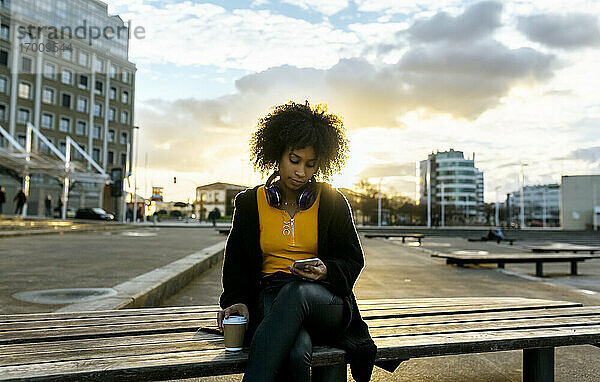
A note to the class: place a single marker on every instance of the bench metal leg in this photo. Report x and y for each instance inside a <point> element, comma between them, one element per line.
<point>539,269</point>
<point>403,239</point>
<point>333,373</point>
<point>538,365</point>
<point>501,265</point>
<point>574,268</point>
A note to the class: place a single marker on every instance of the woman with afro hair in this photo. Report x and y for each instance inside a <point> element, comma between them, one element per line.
<point>289,306</point>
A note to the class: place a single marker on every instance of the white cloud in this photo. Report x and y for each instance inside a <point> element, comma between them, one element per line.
<point>328,8</point>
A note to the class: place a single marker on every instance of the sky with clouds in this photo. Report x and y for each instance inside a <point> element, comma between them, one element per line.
<point>510,82</point>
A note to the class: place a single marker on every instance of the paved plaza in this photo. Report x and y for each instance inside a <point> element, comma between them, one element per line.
<point>89,259</point>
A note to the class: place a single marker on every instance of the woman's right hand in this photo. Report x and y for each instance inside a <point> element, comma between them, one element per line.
<point>235,309</point>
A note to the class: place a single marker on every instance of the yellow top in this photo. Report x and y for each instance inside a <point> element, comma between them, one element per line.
<point>283,239</point>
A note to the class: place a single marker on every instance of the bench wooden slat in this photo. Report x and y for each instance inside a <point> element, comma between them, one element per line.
<point>411,322</point>
<point>159,318</point>
<point>478,317</point>
<point>119,329</point>
<point>59,316</point>
<point>213,362</point>
<point>39,352</point>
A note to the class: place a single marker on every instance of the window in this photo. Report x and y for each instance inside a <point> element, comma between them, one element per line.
<point>82,104</point>
<point>80,128</point>
<point>125,97</point>
<point>124,117</point>
<point>111,157</point>
<point>66,100</point>
<point>67,54</point>
<point>63,147</point>
<point>123,159</point>
<point>125,76</point>
<point>113,71</point>
<point>83,58</point>
<point>23,115</point>
<point>26,65</point>
<point>97,132</point>
<point>97,110</point>
<point>76,154</point>
<point>113,93</point>
<point>24,90</point>
<point>44,148</point>
<point>67,76</point>
<point>3,58</point>
<point>3,84</point>
<point>99,65</point>
<point>64,125</point>
<point>4,32</point>
<point>2,113</point>
<point>123,138</point>
<point>111,135</point>
<point>96,155</point>
<point>111,114</point>
<point>83,82</point>
<point>49,71</point>
<point>48,96</point>
<point>21,139</point>
<point>99,87</point>
<point>47,121</point>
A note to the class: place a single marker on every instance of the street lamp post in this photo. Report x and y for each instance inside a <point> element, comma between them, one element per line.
<point>443,205</point>
<point>134,169</point>
<point>379,205</point>
<point>523,165</point>
<point>428,179</point>
<point>497,206</point>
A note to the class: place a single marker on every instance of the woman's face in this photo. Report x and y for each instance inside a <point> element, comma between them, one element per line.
<point>296,167</point>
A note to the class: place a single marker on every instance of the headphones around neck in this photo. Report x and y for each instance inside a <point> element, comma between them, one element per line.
<point>306,197</point>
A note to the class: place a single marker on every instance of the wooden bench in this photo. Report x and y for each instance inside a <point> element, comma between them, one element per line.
<point>499,240</point>
<point>568,248</point>
<point>417,236</point>
<point>163,343</point>
<point>503,258</point>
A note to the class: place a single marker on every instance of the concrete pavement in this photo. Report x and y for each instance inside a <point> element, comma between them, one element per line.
<point>90,260</point>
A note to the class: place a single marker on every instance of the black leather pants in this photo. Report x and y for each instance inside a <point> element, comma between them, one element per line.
<point>295,312</point>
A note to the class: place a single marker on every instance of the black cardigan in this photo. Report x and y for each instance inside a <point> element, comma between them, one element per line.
<point>338,247</point>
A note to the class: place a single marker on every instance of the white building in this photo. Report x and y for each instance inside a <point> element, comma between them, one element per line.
<point>580,201</point>
<point>460,183</point>
<point>216,195</point>
<point>541,205</point>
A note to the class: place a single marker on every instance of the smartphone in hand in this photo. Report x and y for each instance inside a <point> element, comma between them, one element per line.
<point>299,264</point>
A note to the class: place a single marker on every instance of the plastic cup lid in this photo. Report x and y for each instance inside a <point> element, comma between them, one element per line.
<point>235,320</point>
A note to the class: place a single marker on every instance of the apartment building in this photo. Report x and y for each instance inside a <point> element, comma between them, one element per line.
<point>56,74</point>
<point>455,183</point>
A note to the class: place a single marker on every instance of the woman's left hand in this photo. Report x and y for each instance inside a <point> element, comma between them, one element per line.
<point>311,272</point>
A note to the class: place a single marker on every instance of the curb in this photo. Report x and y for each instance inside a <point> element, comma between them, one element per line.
<point>149,289</point>
<point>17,233</point>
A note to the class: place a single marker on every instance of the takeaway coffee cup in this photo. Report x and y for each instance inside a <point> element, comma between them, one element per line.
<point>234,329</point>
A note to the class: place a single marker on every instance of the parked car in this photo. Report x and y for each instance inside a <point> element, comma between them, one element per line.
<point>93,213</point>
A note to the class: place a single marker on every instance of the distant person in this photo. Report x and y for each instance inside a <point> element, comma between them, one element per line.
<point>2,198</point>
<point>48,206</point>
<point>21,200</point>
<point>294,217</point>
<point>494,234</point>
<point>214,215</point>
